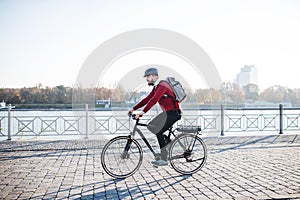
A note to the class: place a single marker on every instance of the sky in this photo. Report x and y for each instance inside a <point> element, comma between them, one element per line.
<point>47,41</point>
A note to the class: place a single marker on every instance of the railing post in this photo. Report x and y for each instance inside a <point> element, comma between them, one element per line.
<point>280,119</point>
<point>9,122</point>
<point>86,121</point>
<point>222,120</point>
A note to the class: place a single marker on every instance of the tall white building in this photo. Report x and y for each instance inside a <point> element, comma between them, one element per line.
<point>247,75</point>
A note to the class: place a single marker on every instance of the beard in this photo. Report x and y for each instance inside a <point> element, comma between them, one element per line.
<point>151,82</point>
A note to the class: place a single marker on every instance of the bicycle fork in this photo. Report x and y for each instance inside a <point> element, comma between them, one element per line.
<point>125,153</point>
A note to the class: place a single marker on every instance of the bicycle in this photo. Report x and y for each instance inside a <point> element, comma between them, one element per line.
<point>122,156</point>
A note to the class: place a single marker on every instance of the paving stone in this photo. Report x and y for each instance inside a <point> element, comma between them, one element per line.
<point>72,170</point>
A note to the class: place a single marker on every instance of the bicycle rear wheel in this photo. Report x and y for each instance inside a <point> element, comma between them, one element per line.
<point>121,157</point>
<point>187,154</point>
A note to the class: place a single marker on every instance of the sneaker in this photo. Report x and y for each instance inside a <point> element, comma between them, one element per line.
<point>160,162</point>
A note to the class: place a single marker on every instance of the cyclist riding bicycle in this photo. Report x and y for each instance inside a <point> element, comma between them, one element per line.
<point>165,97</point>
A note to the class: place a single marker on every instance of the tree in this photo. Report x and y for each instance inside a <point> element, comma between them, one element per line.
<point>189,94</point>
<point>10,95</point>
<point>278,94</point>
<point>251,92</point>
<point>26,96</point>
<point>232,93</point>
<point>208,96</point>
<point>103,93</point>
<point>118,93</point>
<point>297,96</point>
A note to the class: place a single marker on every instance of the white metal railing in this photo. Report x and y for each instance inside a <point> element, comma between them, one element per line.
<point>87,122</point>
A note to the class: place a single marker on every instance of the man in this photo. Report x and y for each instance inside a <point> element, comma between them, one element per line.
<point>164,96</point>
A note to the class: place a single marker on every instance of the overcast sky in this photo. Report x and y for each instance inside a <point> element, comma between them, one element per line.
<point>47,41</point>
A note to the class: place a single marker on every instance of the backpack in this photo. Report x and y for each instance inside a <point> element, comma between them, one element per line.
<point>176,88</point>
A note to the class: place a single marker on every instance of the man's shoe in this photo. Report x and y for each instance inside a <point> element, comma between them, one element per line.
<point>160,162</point>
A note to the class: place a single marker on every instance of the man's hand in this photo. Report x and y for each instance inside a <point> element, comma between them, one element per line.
<point>137,116</point>
<point>130,112</point>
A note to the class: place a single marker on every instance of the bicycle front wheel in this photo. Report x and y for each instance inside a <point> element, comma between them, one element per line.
<point>187,154</point>
<point>121,157</point>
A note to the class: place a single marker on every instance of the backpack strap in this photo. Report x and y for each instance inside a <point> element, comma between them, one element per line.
<point>173,100</point>
<point>171,97</point>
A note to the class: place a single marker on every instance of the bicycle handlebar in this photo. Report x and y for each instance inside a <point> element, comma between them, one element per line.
<point>133,116</point>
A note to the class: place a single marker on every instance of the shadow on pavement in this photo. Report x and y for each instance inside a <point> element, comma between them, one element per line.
<point>132,192</point>
<point>267,141</point>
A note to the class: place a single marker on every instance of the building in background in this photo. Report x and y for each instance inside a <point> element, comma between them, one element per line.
<point>247,75</point>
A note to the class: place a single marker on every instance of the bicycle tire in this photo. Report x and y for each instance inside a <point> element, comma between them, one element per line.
<point>117,164</point>
<point>182,159</point>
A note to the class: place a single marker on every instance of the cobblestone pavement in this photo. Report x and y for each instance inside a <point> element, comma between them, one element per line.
<point>246,168</point>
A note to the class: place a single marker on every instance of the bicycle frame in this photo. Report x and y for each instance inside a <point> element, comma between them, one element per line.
<point>132,134</point>
<point>136,129</point>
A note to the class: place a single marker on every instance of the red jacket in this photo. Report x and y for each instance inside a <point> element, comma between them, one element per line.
<point>156,95</point>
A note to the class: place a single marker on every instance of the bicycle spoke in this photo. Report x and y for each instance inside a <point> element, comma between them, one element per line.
<point>187,154</point>
<point>121,159</point>
<point>177,157</point>
<point>183,144</point>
